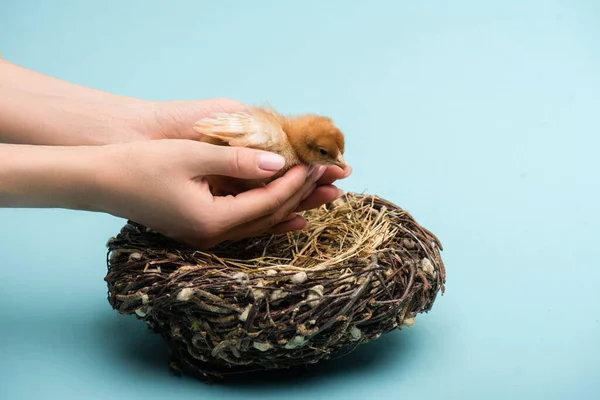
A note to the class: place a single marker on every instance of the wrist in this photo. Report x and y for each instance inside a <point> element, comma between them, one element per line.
<point>41,119</point>
<point>50,177</point>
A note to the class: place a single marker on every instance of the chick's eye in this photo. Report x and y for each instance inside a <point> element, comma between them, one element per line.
<point>323,152</point>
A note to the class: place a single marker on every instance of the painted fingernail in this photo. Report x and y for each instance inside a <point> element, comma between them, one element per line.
<point>348,171</point>
<point>270,161</point>
<point>320,173</point>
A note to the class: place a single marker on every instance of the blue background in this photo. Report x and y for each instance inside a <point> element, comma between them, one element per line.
<point>480,118</point>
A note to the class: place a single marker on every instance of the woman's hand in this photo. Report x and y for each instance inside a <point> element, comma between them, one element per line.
<point>162,184</point>
<point>175,119</point>
<point>159,184</point>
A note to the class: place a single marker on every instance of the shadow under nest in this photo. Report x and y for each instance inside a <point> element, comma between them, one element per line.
<point>364,268</point>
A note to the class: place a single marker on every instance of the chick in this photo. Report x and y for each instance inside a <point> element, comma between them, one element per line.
<point>307,139</point>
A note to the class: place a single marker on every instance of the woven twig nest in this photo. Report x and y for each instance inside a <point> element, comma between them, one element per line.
<point>364,268</point>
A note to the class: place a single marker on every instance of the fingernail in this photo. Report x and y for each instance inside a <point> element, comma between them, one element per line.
<point>348,171</point>
<point>270,161</point>
<point>310,170</point>
<point>340,193</point>
<point>305,224</point>
<point>320,173</point>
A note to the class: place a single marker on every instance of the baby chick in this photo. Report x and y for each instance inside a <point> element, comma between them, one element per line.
<point>306,139</point>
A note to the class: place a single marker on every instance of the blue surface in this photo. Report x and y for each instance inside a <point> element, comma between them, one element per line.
<point>480,118</point>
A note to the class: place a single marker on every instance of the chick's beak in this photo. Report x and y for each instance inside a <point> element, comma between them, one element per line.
<point>339,161</point>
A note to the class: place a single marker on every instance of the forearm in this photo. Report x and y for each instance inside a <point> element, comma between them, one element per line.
<point>49,177</point>
<point>51,119</point>
<point>15,76</point>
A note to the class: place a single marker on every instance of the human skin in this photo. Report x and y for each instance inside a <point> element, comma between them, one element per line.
<point>69,146</point>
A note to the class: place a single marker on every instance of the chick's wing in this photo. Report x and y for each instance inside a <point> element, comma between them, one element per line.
<point>257,128</point>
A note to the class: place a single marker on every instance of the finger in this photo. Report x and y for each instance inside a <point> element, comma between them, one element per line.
<point>263,224</point>
<point>295,224</point>
<point>333,173</point>
<point>236,162</point>
<point>266,224</point>
<point>289,217</point>
<point>283,220</point>
<point>321,195</point>
<point>256,203</point>
<point>273,224</point>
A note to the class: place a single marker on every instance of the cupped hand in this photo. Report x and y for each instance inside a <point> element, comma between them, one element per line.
<point>175,119</point>
<point>161,184</point>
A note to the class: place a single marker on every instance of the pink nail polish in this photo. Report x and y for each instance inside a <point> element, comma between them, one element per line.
<point>270,161</point>
<point>348,171</point>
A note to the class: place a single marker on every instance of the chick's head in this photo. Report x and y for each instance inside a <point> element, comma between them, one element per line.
<point>316,140</point>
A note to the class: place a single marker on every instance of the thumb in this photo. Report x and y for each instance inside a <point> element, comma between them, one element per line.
<point>239,162</point>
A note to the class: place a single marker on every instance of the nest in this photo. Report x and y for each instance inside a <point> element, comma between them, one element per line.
<point>365,267</point>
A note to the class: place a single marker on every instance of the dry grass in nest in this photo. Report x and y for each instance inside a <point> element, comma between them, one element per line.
<point>364,268</point>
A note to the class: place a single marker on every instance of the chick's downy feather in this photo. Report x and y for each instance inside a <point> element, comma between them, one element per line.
<point>308,139</point>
